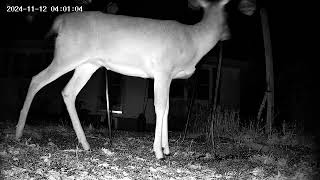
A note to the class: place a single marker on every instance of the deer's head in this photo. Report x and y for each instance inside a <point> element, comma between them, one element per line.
<point>215,14</point>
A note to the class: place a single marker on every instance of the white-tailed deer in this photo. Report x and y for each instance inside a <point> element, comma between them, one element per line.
<point>147,48</point>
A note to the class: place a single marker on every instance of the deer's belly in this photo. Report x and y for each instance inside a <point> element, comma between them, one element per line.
<point>128,65</point>
<point>184,74</point>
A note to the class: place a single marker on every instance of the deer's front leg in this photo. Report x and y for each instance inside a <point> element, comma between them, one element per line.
<point>164,138</point>
<point>161,97</point>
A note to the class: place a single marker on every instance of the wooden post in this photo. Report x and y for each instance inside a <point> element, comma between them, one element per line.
<point>218,77</point>
<point>269,69</point>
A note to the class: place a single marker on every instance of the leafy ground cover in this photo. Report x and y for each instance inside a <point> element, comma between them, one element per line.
<point>52,152</point>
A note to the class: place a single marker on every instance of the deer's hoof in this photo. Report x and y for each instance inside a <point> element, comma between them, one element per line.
<point>18,136</point>
<point>86,146</point>
<point>166,151</point>
<point>159,155</point>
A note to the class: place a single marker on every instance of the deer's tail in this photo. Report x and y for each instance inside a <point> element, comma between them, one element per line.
<point>56,27</point>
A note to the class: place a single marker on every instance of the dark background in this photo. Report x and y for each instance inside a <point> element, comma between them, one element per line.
<point>292,40</point>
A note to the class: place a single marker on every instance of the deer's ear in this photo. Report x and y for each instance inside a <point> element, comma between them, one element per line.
<point>224,2</point>
<point>203,3</point>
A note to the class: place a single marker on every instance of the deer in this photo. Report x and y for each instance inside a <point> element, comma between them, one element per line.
<point>134,46</point>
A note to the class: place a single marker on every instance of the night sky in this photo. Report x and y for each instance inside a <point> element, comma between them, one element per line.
<point>289,28</point>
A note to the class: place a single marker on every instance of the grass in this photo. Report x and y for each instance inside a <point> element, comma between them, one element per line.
<point>238,152</point>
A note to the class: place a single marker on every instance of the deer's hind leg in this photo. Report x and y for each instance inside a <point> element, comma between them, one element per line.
<point>80,77</point>
<point>51,73</point>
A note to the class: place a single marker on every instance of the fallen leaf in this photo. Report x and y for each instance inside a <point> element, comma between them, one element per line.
<point>195,166</point>
<point>53,175</point>
<point>282,162</point>
<point>14,151</point>
<point>114,168</point>
<point>140,159</point>
<point>46,159</point>
<point>51,144</point>
<point>152,169</point>
<point>257,171</point>
<point>107,152</point>
<point>208,156</point>
<point>104,165</point>
<point>3,153</point>
<point>126,178</point>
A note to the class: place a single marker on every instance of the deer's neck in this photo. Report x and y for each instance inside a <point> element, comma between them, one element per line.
<point>206,33</point>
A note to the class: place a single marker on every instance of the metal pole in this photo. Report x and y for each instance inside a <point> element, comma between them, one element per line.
<point>108,108</point>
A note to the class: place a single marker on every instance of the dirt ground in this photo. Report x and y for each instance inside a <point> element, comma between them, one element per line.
<point>53,153</point>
